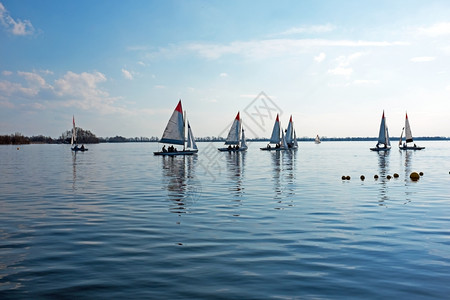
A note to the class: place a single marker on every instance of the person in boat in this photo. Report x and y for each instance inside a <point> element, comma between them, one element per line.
<point>237,147</point>
<point>415,145</point>
<point>164,148</point>
<point>277,146</point>
<point>268,146</point>
<point>76,147</point>
<point>230,148</point>
<point>82,148</point>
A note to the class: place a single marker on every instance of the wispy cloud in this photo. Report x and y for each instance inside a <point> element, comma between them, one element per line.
<point>343,64</point>
<point>16,27</point>
<point>259,49</point>
<point>223,75</point>
<point>321,57</point>
<point>438,29</point>
<point>309,29</point>
<point>423,59</point>
<point>127,74</point>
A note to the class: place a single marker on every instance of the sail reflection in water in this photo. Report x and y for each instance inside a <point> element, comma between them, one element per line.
<point>283,177</point>
<point>235,166</point>
<point>383,165</point>
<point>180,181</point>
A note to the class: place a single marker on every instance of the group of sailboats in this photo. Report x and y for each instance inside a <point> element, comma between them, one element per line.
<point>384,144</point>
<point>281,141</point>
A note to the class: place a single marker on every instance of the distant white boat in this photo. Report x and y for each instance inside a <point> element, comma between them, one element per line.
<point>277,140</point>
<point>408,138</point>
<point>175,134</point>
<point>317,140</point>
<point>383,143</point>
<point>73,139</point>
<point>236,137</point>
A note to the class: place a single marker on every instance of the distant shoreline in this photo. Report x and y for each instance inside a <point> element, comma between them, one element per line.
<point>48,140</point>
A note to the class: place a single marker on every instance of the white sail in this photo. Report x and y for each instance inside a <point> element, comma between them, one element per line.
<point>408,134</point>
<point>317,140</point>
<point>174,132</point>
<point>73,140</point>
<point>290,132</point>
<point>190,139</point>
<point>401,137</point>
<point>275,138</point>
<point>243,141</point>
<point>383,135</point>
<point>295,140</point>
<point>233,134</point>
<point>284,144</point>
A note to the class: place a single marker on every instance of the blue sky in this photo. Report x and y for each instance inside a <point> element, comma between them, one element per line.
<point>120,67</point>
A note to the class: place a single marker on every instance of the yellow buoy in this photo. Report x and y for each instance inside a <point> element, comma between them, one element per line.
<point>388,177</point>
<point>421,173</point>
<point>414,176</point>
<point>375,176</point>
<point>348,177</point>
<point>18,148</point>
<point>362,177</point>
<point>395,175</point>
<point>343,177</point>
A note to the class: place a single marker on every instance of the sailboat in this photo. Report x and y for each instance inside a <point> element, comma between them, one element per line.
<point>383,137</point>
<point>236,137</point>
<point>317,140</point>
<point>73,139</point>
<point>276,138</point>
<point>175,134</point>
<point>408,138</point>
<point>291,139</point>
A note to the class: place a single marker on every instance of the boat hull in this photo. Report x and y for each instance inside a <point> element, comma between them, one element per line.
<point>78,149</point>
<point>411,148</point>
<point>232,150</point>
<point>184,152</point>
<point>380,149</point>
<point>274,149</point>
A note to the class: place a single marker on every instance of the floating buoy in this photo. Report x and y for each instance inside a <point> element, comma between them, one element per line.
<point>362,177</point>
<point>18,148</point>
<point>348,177</point>
<point>414,176</point>
<point>421,173</point>
<point>375,176</point>
<point>395,175</point>
<point>343,177</point>
<point>388,177</point>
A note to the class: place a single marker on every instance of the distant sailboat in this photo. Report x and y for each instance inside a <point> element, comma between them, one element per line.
<point>383,137</point>
<point>175,134</point>
<point>317,140</point>
<point>73,139</point>
<point>276,138</point>
<point>408,138</point>
<point>291,139</point>
<point>236,137</point>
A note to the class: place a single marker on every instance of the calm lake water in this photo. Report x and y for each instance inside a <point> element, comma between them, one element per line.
<point>119,222</point>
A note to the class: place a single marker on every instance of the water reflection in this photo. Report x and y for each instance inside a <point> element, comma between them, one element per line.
<point>180,181</point>
<point>283,176</point>
<point>235,165</point>
<point>408,167</point>
<point>383,165</point>
<point>74,170</point>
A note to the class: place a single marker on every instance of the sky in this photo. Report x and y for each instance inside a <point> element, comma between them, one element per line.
<point>120,67</point>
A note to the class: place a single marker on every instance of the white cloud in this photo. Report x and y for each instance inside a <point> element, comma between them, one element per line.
<point>341,71</point>
<point>160,86</point>
<point>7,73</point>
<point>435,30</point>
<point>423,59</point>
<point>365,82</point>
<point>16,27</point>
<point>309,29</point>
<point>321,57</point>
<point>127,74</point>
<point>260,49</point>
<point>223,75</point>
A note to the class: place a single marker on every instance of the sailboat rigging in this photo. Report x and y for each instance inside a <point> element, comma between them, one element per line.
<point>174,134</point>
<point>236,137</point>
<point>408,138</point>
<point>276,138</point>
<point>73,139</point>
<point>383,143</point>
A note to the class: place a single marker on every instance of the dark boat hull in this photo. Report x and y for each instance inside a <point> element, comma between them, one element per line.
<point>411,148</point>
<point>380,149</point>
<point>184,152</point>
<point>232,150</point>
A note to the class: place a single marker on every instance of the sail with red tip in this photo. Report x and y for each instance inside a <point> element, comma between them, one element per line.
<point>174,132</point>
<point>233,134</point>
<point>275,138</point>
